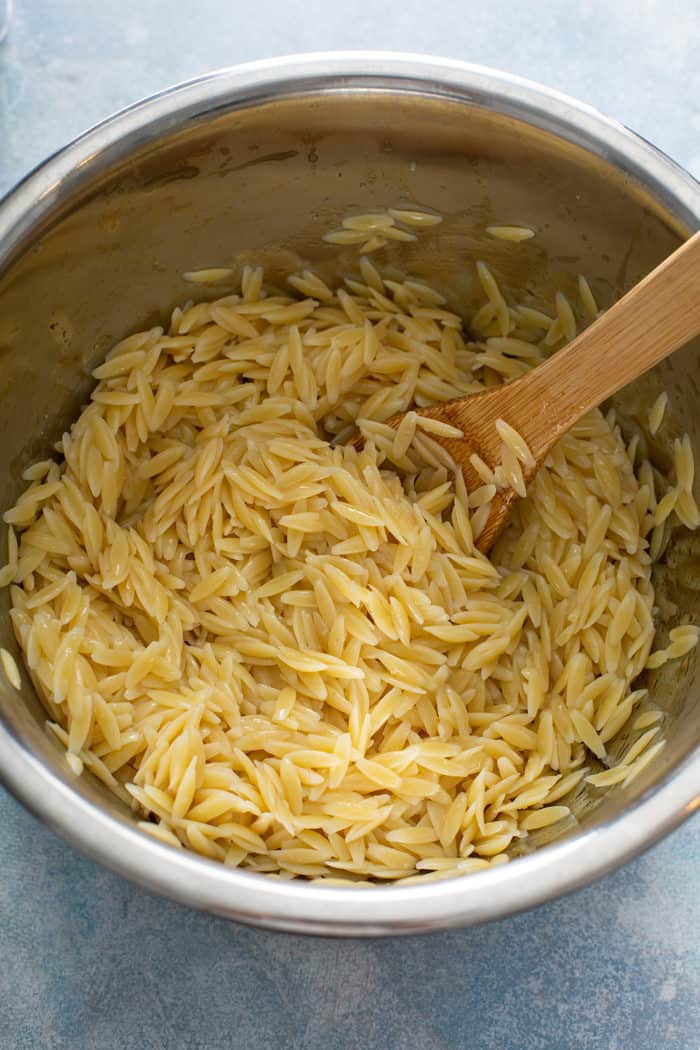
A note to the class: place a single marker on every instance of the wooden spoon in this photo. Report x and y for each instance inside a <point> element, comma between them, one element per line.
<point>652,320</point>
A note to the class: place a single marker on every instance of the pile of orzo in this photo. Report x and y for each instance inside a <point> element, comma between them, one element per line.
<point>288,654</point>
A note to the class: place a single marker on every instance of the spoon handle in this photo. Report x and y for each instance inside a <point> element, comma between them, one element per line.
<point>652,320</point>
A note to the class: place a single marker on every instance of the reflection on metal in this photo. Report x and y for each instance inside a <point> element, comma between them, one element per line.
<point>5,17</point>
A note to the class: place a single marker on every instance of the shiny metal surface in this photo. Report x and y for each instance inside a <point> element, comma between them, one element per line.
<point>5,17</point>
<point>259,161</point>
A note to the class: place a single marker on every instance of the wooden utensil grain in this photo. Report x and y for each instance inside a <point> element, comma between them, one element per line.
<point>656,317</point>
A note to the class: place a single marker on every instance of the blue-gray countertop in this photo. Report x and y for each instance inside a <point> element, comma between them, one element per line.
<point>88,960</point>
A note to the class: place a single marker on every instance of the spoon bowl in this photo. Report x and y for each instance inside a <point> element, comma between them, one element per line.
<point>656,317</point>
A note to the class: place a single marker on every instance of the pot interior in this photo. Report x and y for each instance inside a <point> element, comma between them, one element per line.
<point>265,182</point>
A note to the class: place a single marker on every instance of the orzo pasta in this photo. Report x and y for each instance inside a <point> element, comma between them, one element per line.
<point>287,653</point>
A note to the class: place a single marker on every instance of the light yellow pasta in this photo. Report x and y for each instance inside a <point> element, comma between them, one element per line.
<point>287,653</point>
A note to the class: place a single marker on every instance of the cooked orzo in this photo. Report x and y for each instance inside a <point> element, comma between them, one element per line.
<point>288,654</point>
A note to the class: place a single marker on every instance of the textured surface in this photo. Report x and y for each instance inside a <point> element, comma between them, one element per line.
<point>88,959</point>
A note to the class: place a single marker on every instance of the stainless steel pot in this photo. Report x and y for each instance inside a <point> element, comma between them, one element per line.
<point>260,161</point>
